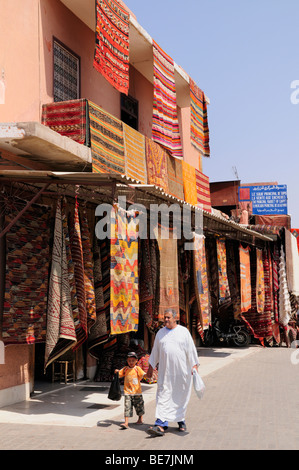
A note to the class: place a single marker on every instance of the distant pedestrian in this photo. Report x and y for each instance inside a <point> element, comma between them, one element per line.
<point>132,389</point>
<point>175,352</point>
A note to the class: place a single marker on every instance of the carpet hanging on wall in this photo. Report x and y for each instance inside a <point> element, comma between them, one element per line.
<point>124,293</point>
<point>201,279</point>
<point>135,161</point>
<point>245,283</point>
<point>199,120</point>
<point>156,161</point>
<point>111,56</point>
<point>107,141</point>
<point>165,126</point>
<point>26,285</point>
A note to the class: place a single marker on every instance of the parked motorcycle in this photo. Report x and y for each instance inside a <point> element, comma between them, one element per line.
<point>235,333</point>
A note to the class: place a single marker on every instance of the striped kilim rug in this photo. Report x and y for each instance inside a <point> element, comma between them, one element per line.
<point>107,142</point>
<point>111,56</point>
<point>203,191</point>
<point>124,292</point>
<point>199,120</point>
<point>165,126</point>
<point>135,160</point>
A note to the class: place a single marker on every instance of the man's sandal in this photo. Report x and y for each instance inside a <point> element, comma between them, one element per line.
<point>182,427</point>
<point>156,431</point>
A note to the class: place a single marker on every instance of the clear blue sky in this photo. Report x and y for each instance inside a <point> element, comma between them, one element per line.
<point>244,54</point>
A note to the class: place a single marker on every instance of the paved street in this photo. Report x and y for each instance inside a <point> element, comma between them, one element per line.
<point>251,402</point>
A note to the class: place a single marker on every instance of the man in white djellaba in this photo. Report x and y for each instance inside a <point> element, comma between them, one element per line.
<point>175,352</point>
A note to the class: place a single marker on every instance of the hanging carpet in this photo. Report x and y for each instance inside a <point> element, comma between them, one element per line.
<point>199,120</point>
<point>135,161</point>
<point>175,177</point>
<point>88,271</point>
<point>61,335</point>
<point>165,126</point>
<point>224,292</point>
<point>156,160</point>
<point>107,142</point>
<point>233,274</point>
<point>111,56</point>
<point>26,285</point>
<point>285,309</point>
<point>169,284</point>
<point>68,118</point>
<point>124,295</point>
<point>201,279</point>
<point>260,281</point>
<point>149,282</point>
<point>189,183</point>
<point>203,191</point>
<point>245,279</point>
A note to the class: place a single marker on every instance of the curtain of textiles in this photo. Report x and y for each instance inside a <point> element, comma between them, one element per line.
<point>201,279</point>
<point>156,160</point>
<point>245,279</point>
<point>61,334</point>
<point>111,56</point>
<point>165,126</point>
<point>26,285</point>
<point>260,281</point>
<point>284,297</point>
<point>169,283</point>
<point>199,119</point>
<point>135,161</point>
<point>124,295</point>
<point>107,141</point>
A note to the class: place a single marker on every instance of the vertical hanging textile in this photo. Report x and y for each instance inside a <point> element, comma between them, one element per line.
<point>201,279</point>
<point>224,292</point>
<point>203,191</point>
<point>77,257</point>
<point>199,120</point>
<point>175,177</point>
<point>26,278</point>
<point>88,271</point>
<point>169,283</point>
<point>260,281</point>
<point>285,309</point>
<point>111,56</point>
<point>189,182</point>
<point>156,160</point>
<point>124,295</point>
<point>233,274</point>
<point>135,161</point>
<point>61,335</point>
<point>245,279</point>
<point>165,127</point>
<point>106,140</point>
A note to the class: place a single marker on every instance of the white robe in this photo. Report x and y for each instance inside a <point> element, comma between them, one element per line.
<point>175,352</point>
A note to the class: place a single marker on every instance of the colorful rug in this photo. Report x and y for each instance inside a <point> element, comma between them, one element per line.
<point>203,191</point>
<point>124,295</point>
<point>77,258</point>
<point>224,292</point>
<point>90,302</point>
<point>199,120</point>
<point>169,282</point>
<point>233,274</point>
<point>260,281</point>
<point>189,183</point>
<point>149,282</point>
<point>165,126</point>
<point>68,118</point>
<point>156,160</point>
<point>175,177</point>
<point>27,270</point>
<point>107,142</point>
<point>61,335</point>
<point>201,280</point>
<point>245,279</point>
<point>111,56</point>
<point>285,309</point>
<point>135,161</point>
<point>99,332</point>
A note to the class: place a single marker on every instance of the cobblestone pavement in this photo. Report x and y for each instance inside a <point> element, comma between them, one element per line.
<point>251,403</point>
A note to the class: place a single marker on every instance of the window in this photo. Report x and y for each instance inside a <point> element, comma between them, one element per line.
<point>66,65</point>
<point>129,110</point>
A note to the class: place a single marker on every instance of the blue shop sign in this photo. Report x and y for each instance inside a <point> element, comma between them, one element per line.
<point>266,199</point>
